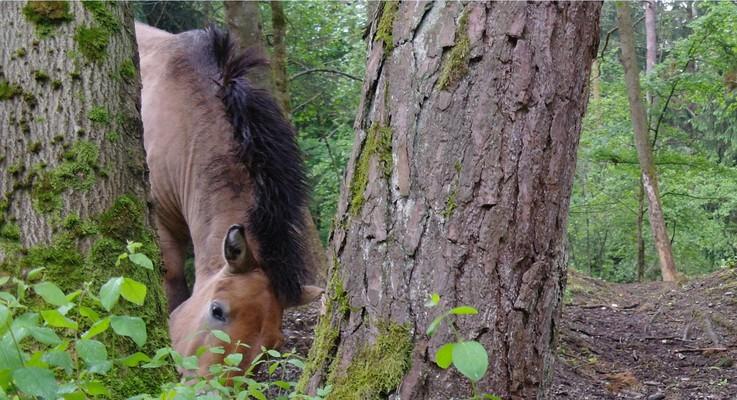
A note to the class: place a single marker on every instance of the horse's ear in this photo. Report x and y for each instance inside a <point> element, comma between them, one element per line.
<point>235,250</point>
<point>309,294</point>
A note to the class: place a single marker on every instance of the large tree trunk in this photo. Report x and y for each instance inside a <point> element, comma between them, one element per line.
<point>642,143</point>
<point>640,232</point>
<point>459,184</point>
<point>73,177</point>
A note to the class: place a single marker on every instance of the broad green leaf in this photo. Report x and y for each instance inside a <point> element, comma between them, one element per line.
<point>189,363</point>
<point>75,396</point>
<point>135,359</point>
<point>91,314</point>
<point>32,275</point>
<point>221,335</point>
<point>4,317</point>
<point>50,293</point>
<point>435,324</point>
<point>133,291</point>
<point>133,327</point>
<point>57,320</point>
<point>94,355</point>
<point>36,382</point>
<point>273,353</point>
<point>45,335</point>
<point>97,328</point>
<point>254,392</point>
<point>133,247</point>
<point>141,260</point>
<point>233,359</point>
<point>96,388</point>
<point>217,350</point>
<point>61,359</point>
<point>110,292</point>
<point>297,363</point>
<point>444,355</point>
<point>464,310</point>
<point>74,295</point>
<point>471,359</point>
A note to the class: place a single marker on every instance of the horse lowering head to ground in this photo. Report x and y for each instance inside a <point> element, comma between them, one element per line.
<point>227,175</point>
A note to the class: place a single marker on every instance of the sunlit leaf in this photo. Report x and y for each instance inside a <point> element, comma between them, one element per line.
<point>471,359</point>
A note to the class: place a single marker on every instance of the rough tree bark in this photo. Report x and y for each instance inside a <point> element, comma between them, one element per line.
<point>459,184</point>
<point>244,19</point>
<point>73,178</point>
<point>279,55</point>
<point>642,143</point>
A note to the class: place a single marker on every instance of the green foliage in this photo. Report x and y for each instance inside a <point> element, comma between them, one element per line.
<point>469,357</point>
<point>695,150</point>
<point>58,358</point>
<point>92,42</point>
<point>46,15</point>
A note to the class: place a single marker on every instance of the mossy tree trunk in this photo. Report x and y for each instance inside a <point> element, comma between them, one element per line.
<point>244,19</point>
<point>458,184</point>
<point>73,178</point>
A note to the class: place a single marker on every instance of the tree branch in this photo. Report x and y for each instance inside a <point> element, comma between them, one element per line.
<point>328,70</point>
<point>606,41</point>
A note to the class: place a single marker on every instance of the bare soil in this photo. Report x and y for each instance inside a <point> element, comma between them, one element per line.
<point>650,341</point>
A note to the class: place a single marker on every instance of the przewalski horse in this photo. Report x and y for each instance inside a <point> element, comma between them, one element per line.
<point>226,173</point>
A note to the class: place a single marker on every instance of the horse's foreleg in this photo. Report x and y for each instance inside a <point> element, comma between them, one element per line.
<point>172,250</point>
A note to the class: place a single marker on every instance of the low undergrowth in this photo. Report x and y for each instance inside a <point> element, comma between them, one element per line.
<point>56,345</point>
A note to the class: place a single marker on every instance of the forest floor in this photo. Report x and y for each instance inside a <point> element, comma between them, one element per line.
<point>648,341</point>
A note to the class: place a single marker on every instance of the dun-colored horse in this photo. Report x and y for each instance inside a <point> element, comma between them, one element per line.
<point>227,175</point>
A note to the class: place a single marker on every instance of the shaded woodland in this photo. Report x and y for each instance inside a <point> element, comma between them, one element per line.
<point>509,200</point>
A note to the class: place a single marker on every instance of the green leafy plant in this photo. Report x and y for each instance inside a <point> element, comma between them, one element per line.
<point>228,380</point>
<point>469,357</point>
<point>48,348</point>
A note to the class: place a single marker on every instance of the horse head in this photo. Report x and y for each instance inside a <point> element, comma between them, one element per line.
<point>239,300</point>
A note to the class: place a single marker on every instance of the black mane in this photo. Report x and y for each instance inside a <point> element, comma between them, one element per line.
<point>268,149</point>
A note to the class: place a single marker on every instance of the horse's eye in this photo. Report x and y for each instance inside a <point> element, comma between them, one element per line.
<point>217,312</point>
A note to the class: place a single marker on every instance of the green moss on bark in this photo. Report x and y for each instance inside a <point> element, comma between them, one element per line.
<point>92,42</point>
<point>78,170</point>
<point>327,330</point>
<point>455,65</point>
<point>378,368</point>
<point>379,143</point>
<point>100,115</point>
<point>47,15</point>
<point>386,25</point>
<point>127,70</point>
<point>8,91</point>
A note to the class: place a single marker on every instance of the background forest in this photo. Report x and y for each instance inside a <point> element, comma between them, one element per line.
<point>692,115</point>
<point>693,126</point>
